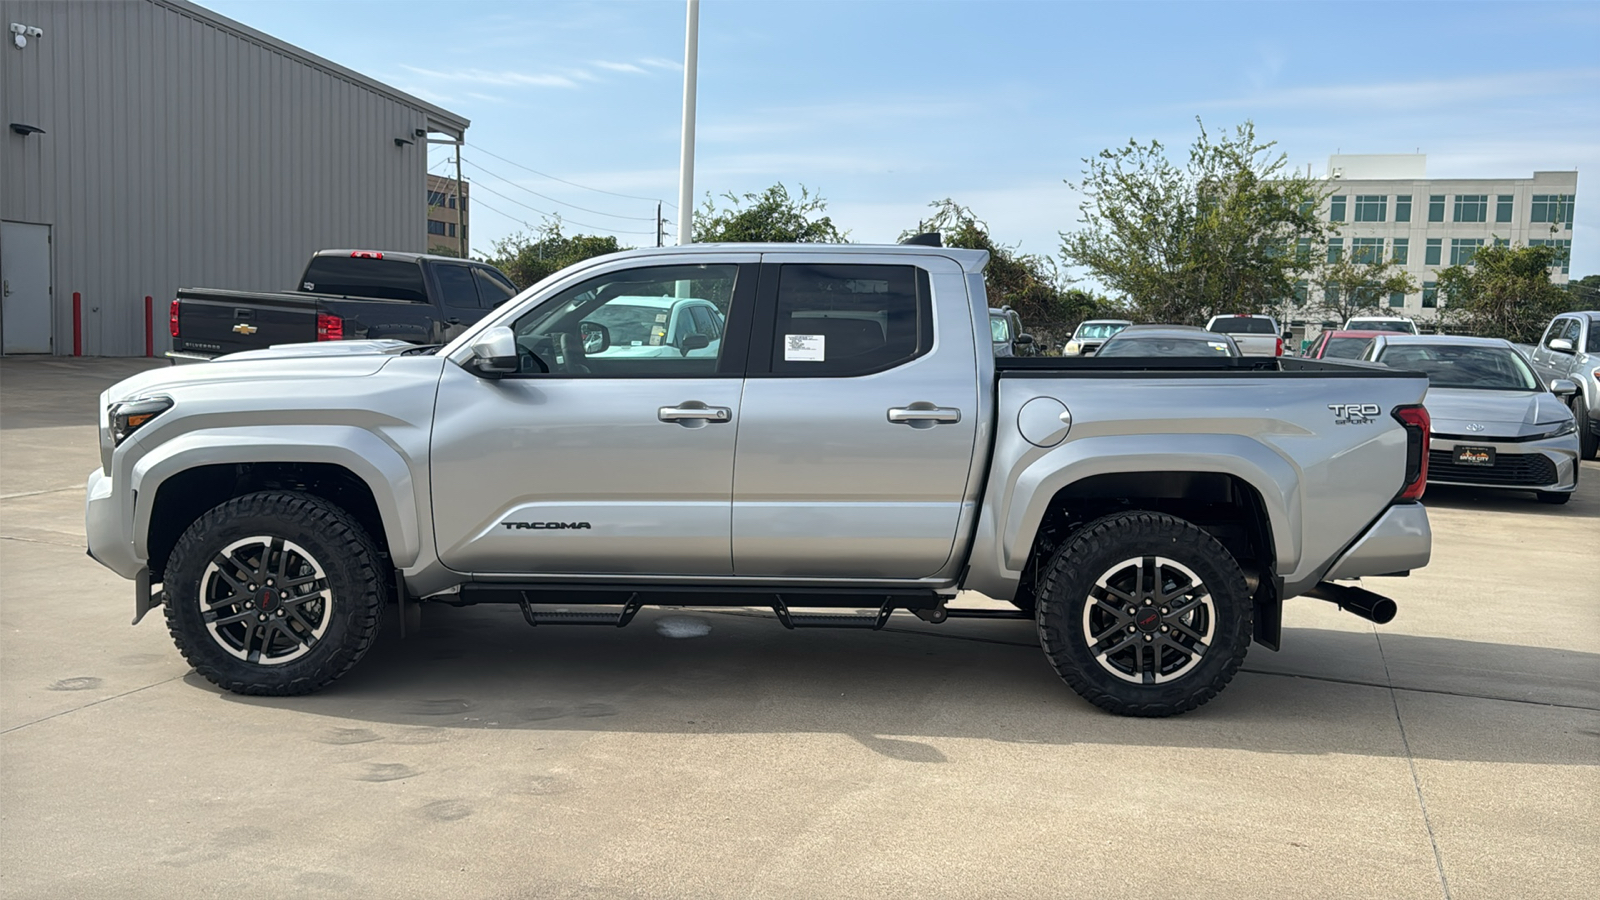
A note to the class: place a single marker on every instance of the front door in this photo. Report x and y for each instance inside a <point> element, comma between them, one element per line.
<point>25,288</point>
<point>618,460</point>
<point>857,431</point>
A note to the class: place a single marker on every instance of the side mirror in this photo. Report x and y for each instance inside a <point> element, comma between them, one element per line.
<point>1561,345</point>
<point>494,352</point>
<point>596,337</point>
<point>1024,340</point>
<point>1561,387</point>
<point>1288,334</point>
<point>693,342</point>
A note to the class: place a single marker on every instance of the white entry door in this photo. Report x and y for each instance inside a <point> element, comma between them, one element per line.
<point>25,287</point>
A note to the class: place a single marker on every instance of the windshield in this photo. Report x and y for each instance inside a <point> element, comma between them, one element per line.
<point>1165,346</point>
<point>1345,348</point>
<point>998,330</point>
<point>1098,331</point>
<point>1243,325</point>
<point>1380,325</point>
<point>629,325</point>
<point>1480,368</point>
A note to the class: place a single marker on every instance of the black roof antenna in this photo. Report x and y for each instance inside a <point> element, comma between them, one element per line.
<point>925,239</point>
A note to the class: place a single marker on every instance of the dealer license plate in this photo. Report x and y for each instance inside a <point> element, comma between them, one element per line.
<point>1474,456</point>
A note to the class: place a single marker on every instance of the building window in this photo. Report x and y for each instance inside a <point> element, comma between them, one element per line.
<point>435,227</point>
<point>1402,251</point>
<point>1372,208</point>
<point>1330,295</point>
<point>1502,207</point>
<point>1336,208</point>
<point>451,229</point>
<point>1302,250</point>
<point>1563,250</point>
<point>1366,250</point>
<point>1502,242</point>
<point>1430,295</point>
<point>1436,208</point>
<point>1402,208</point>
<point>1335,249</point>
<point>436,198</point>
<point>1430,256</point>
<point>1472,208</point>
<point>1553,209</point>
<point>1463,249</point>
<point>1397,298</point>
<point>1302,293</point>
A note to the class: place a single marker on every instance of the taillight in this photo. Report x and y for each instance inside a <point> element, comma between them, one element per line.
<point>174,317</point>
<point>366,254</point>
<point>1418,427</point>
<point>1280,347</point>
<point>329,327</point>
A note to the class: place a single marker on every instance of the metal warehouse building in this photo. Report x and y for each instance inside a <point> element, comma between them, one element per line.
<point>153,144</point>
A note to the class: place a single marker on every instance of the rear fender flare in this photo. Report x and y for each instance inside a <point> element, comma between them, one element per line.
<point>369,457</point>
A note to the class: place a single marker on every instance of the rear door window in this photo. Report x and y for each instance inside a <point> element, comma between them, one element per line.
<point>844,320</point>
<point>1243,325</point>
<point>364,276</point>
<point>492,291</point>
<point>456,286</point>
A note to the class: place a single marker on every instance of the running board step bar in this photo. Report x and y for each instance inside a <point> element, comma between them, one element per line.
<point>793,620</point>
<point>616,619</point>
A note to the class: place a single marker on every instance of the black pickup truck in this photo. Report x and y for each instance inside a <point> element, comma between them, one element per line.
<point>343,295</point>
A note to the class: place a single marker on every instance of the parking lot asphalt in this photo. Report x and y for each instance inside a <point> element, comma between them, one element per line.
<point>1452,753</point>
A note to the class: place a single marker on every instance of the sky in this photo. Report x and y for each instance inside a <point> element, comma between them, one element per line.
<point>884,107</point>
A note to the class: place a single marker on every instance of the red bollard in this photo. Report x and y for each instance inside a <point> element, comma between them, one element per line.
<point>77,323</point>
<point>149,327</point>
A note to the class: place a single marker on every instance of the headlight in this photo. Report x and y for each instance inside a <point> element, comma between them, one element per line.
<point>1073,346</point>
<point>131,415</point>
<point>1556,429</point>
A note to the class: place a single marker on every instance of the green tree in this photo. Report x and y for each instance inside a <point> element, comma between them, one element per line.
<point>772,216</point>
<point>1348,286</point>
<point>1506,292</point>
<point>1030,284</point>
<point>1585,292</point>
<point>528,260</point>
<point>1183,243</point>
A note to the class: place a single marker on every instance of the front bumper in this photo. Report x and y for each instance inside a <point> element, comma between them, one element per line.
<point>1550,464</point>
<point>1401,540</point>
<point>110,543</point>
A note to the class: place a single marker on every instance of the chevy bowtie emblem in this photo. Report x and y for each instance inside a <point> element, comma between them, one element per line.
<point>1474,427</point>
<point>245,328</point>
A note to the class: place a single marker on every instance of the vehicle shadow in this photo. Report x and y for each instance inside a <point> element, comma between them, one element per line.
<point>1585,502</point>
<point>482,668</point>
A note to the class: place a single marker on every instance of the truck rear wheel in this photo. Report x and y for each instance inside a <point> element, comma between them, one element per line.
<point>274,593</point>
<point>1144,614</point>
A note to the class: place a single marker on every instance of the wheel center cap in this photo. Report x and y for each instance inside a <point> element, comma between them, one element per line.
<point>1147,619</point>
<point>267,599</point>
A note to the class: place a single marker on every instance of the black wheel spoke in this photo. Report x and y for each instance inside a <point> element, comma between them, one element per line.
<point>298,600</point>
<point>215,617</point>
<point>275,553</point>
<point>1180,628</point>
<point>1197,650</point>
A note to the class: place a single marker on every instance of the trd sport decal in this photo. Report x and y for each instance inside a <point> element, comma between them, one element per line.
<point>546,525</point>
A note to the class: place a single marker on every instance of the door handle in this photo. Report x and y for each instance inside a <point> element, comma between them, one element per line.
<point>452,321</point>
<point>693,412</point>
<point>923,415</point>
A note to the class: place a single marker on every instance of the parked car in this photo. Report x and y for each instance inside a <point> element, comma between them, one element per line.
<point>1495,424</point>
<point>639,327</point>
<point>342,295</point>
<point>852,442</point>
<point>1168,340</point>
<point>1254,335</point>
<point>1005,329</point>
<point>1088,336</point>
<point>1341,344</point>
<point>1570,349</point>
<point>1394,324</point>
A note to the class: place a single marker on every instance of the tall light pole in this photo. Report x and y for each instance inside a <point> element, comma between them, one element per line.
<point>691,52</point>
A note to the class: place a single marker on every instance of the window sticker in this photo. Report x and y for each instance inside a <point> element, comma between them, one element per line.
<point>661,317</point>
<point>656,335</point>
<point>804,348</point>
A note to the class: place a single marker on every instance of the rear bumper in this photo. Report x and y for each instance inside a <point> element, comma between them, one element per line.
<point>180,358</point>
<point>1547,465</point>
<point>1401,540</point>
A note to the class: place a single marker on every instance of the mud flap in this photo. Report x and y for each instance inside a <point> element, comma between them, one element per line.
<point>144,599</point>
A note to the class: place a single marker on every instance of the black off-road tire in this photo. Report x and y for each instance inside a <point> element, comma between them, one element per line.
<point>1098,550</point>
<point>348,617</point>
<point>1588,440</point>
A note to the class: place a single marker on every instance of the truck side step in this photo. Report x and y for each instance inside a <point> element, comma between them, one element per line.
<point>792,620</point>
<point>616,619</point>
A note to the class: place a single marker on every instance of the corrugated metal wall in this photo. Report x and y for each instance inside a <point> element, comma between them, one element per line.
<point>182,152</point>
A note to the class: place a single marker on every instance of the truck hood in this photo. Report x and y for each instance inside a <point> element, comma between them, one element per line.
<point>282,362</point>
<point>1495,413</point>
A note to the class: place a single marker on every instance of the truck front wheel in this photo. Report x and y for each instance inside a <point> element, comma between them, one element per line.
<point>1144,614</point>
<point>274,593</point>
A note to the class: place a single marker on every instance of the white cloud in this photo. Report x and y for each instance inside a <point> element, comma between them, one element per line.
<point>500,79</point>
<point>629,68</point>
<point>1420,95</point>
<point>656,62</point>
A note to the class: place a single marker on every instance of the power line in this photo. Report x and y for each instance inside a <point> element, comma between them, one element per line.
<point>573,183</point>
<point>554,215</point>
<point>597,212</point>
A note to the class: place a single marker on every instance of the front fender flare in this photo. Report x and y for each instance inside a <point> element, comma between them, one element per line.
<point>376,462</point>
<point>1273,476</point>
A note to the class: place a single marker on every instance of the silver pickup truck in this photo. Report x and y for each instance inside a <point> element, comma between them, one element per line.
<point>842,444</point>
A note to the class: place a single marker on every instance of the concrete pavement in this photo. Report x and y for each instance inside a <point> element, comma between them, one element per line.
<point>1453,753</point>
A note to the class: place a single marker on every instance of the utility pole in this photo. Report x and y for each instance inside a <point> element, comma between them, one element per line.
<point>691,52</point>
<point>660,225</point>
<point>461,204</point>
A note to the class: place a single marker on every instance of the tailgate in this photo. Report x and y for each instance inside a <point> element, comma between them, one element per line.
<point>218,322</point>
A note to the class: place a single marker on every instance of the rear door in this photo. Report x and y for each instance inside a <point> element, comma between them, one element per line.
<point>859,421</point>
<point>459,303</point>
